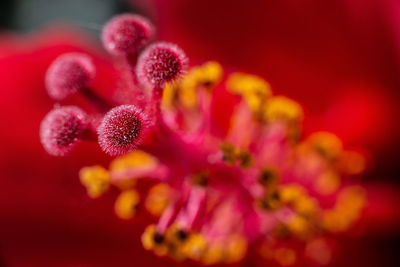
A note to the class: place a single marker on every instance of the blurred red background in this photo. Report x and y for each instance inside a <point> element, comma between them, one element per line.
<point>340,59</point>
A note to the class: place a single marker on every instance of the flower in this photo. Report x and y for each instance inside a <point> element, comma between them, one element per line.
<point>221,193</point>
<point>46,219</point>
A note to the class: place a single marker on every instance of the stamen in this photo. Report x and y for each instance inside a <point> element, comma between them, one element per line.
<point>253,89</point>
<point>326,144</point>
<point>158,199</point>
<point>284,109</point>
<point>96,180</point>
<point>126,204</point>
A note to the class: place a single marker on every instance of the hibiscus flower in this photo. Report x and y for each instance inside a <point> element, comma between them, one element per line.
<point>43,202</point>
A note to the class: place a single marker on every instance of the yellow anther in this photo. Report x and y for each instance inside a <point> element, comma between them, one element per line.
<point>298,225</point>
<point>280,108</point>
<point>347,210</point>
<point>327,183</point>
<point>208,74</point>
<point>271,201</point>
<point>147,237</point>
<point>185,91</point>
<point>126,203</point>
<point>253,89</point>
<point>188,97</point>
<point>351,200</point>
<point>245,159</point>
<point>158,199</point>
<point>170,95</point>
<point>176,234</point>
<point>151,240</point>
<point>212,73</point>
<point>290,193</point>
<point>285,256</point>
<point>229,153</point>
<point>241,83</point>
<point>305,205</point>
<point>327,144</point>
<point>298,199</point>
<point>232,154</point>
<point>195,247</point>
<point>96,179</point>
<point>213,254</point>
<point>334,221</point>
<point>236,249</point>
<point>133,159</point>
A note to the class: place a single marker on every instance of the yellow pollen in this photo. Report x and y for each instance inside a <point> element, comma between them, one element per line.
<point>185,91</point>
<point>253,89</point>
<point>135,159</point>
<point>232,154</point>
<point>290,193</point>
<point>282,108</point>
<point>126,203</point>
<point>149,243</point>
<point>346,211</point>
<point>271,201</point>
<point>170,95</point>
<point>245,159</point>
<point>327,144</point>
<point>305,206</point>
<point>298,225</point>
<point>214,254</point>
<point>172,235</point>
<point>158,199</point>
<point>236,249</point>
<point>96,179</point>
<point>229,152</point>
<point>195,246</point>
<point>241,83</point>
<point>327,183</point>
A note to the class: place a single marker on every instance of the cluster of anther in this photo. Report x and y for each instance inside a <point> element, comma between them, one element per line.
<point>260,185</point>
